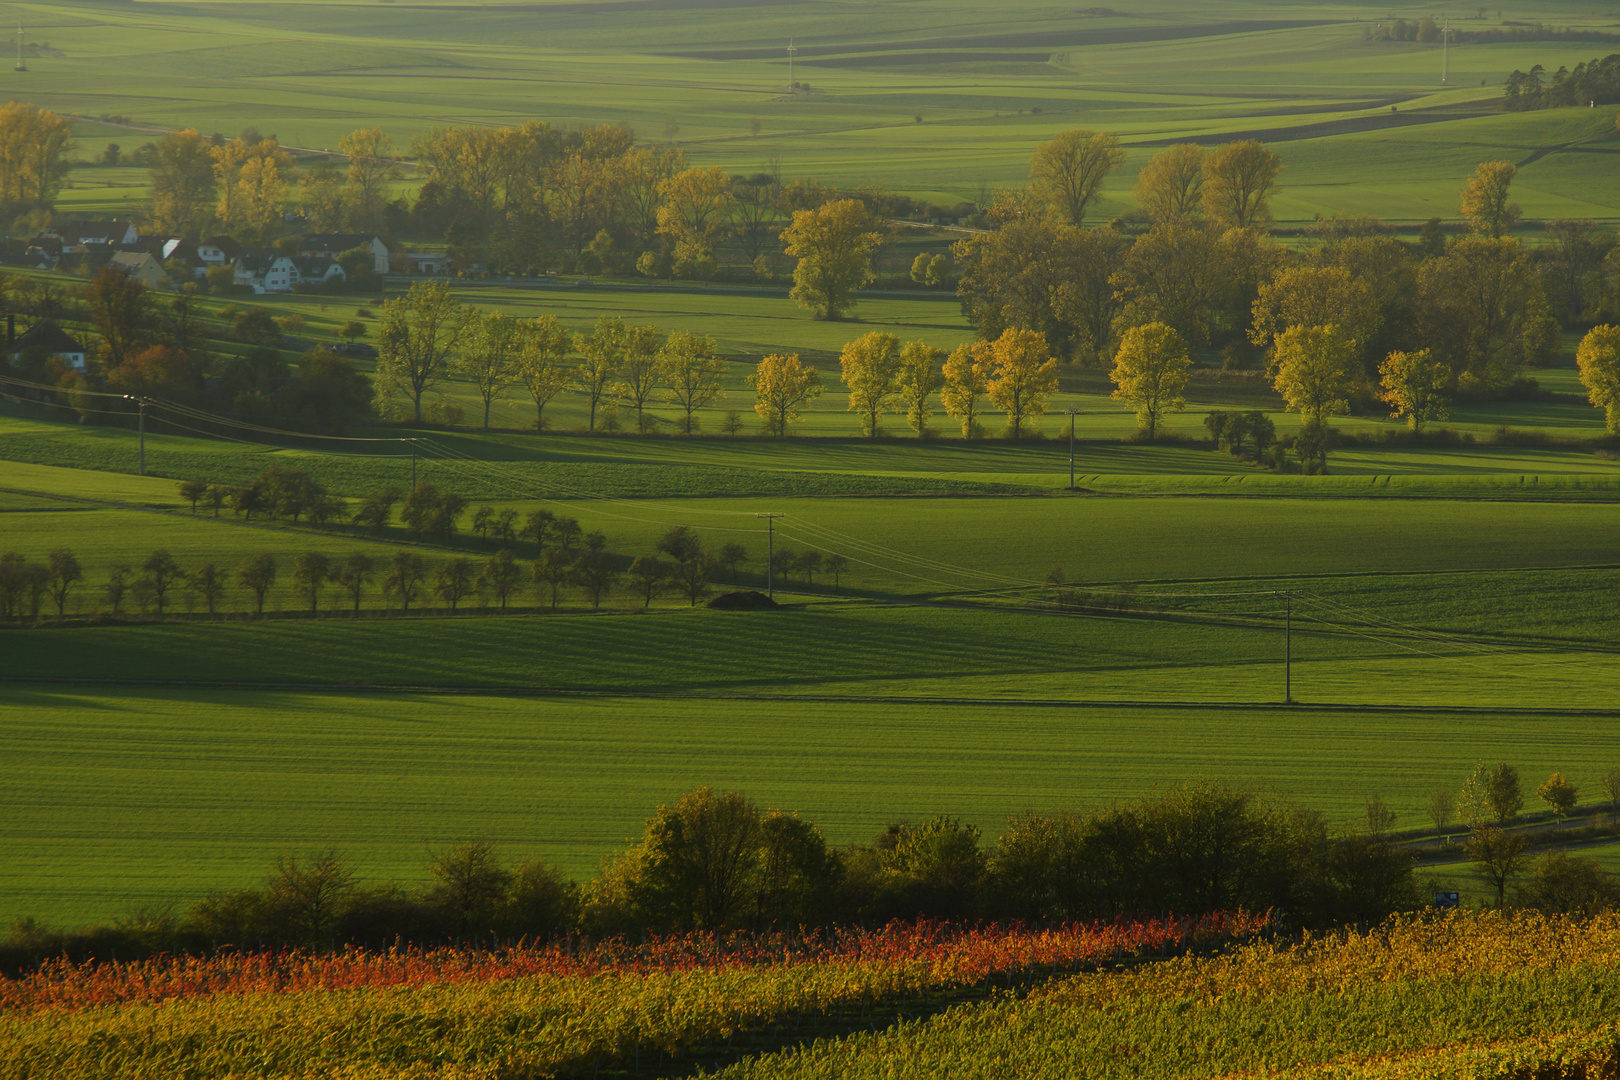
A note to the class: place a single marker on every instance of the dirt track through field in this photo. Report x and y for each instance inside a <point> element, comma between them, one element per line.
<point>1350,125</point>
<point>1056,39</point>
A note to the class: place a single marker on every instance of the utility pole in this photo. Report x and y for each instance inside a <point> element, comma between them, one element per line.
<point>1071,448</point>
<point>770,552</point>
<point>792,52</point>
<point>140,429</point>
<point>1288,648</point>
<point>1445,52</point>
<point>20,65</point>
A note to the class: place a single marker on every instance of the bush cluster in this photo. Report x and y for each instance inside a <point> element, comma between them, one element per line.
<point>716,861</point>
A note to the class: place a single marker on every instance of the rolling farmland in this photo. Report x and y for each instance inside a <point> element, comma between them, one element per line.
<point>1092,746</point>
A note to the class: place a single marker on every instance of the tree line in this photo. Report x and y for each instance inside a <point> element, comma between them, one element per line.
<point>714,860</point>
<point>1597,82</point>
<point>566,559</point>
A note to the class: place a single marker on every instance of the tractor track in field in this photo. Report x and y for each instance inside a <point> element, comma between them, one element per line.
<point>939,701</point>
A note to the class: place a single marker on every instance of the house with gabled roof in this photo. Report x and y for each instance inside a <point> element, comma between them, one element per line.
<point>331,245</point>
<point>318,270</point>
<point>55,341</point>
<point>77,235</point>
<point>141,266</point>
<point>266,270</point>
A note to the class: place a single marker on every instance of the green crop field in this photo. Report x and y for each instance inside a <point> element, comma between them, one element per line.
<point>940,106</point>
<point>1425,634</point>
<point>115,799</point>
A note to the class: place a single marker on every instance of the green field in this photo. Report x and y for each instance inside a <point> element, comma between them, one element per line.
<point>1427,633</point>
<point>117,798</point>
<point>941,106</point>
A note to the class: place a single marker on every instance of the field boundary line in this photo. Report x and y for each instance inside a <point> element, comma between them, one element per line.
<point>520,690</point>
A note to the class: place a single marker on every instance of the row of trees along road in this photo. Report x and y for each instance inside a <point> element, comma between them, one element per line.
<point>1488,801</point>
<point>566,558</point>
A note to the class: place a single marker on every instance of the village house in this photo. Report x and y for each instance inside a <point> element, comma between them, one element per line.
<point>268,271</point>
<point>79,236</point>
<point>331,245</point>
<point>141,266</point>
<point>53,340</point>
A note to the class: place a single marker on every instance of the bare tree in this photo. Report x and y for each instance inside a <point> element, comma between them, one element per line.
<point>257,573</point>
<point>1498,854</point>
<point>161,574</point>
<point>64,570</point>
<point>309,895</point>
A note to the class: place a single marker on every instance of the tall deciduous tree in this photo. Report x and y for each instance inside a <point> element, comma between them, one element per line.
<point>639,375</point>
<point>1499,854</point>
<point>649,577</point>
<point>492,357</point>
<point>1315,296</point>
<point>693,376</point>
<point>601,352</point>
<point>1022,377</point>
<point>1486,205</point>
<point>782,386</point>
<point>918,376</point>
<point>554,570</point>
<point>543,347</point>
<point>1559,795</point>
<point>257,573</point>
<point>455,580</point>
<point>1067,172</point>
<point>834,244</point>
<point>1174,274</point>
<point>1482,310</point>
<point>417,334</point>
<point>252,181</point>
<point>406,573</point>
<point>1032,274</point>
<point>354,573</point>
<point>120,307</point>
<point>1170,186</point>
<point>1238,178</point>
<point>966,382</point>
<point>693,216</point>
<point>871,366</point>
<point>183,184</point>
<point>64,572</point>
<point>34,143</point>
<point>373,165</point>
<point>1150,372</point>
<point>1598,357</point>
<point>1416,387</point>
<point>1314,371</point>
<point>311,571</point>
<point>641,174</point>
